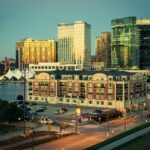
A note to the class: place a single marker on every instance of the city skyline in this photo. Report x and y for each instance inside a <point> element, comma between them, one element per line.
<point>39,19</point>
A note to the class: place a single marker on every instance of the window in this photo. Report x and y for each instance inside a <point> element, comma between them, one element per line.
<point>82,102</point>
<point>36,98</point>
<point>69,83</point>
<point>90,90</point>
<point>90,85</point>
<point>67,100</point>
<point>76,84</point>
<point>110,91</point>
<point>90,95</point>
<point>97,102</point>
<point>76,77</point>
<point>74,101</point>
<point>109,85</point>
<point>60,99</point>
<point>76,89</point>
<point>109,103</point>
<point>90,102</point>
<point>102,103</point>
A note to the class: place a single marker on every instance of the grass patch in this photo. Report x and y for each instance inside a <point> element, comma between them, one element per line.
<point>140,143</point>
<point>106,142</point>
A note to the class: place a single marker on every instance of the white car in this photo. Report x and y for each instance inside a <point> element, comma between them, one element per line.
<point>72,123</point>
<point>46,120</point>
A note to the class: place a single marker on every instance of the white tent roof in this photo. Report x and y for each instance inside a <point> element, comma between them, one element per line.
<point>18,74</point>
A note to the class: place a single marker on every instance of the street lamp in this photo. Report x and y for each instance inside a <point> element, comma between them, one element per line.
<point>108,127</point>
<point>24,111</point>
<point>141,112</point>
<point>78,113</point>
<point>125,123</point>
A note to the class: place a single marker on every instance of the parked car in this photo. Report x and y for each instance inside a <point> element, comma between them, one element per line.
<point>45,120</point>
<point>148,116</point>
<point>39,109</point>
<point>31,116</point>
<point>86,115</point>
<point>96,112</point>
<point>61,111</point>
<point>72,123</point>
<point>64,109</point>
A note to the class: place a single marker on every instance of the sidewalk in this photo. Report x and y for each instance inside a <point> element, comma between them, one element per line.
<point>125,139</point>
<point>28,142</point>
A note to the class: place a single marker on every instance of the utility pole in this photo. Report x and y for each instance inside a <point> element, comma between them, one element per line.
<point>125,123</point>
<point>108,125</point>
<point>24,109</point>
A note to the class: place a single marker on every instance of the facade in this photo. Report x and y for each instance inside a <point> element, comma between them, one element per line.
<point>30,51</point>
<point>104,89</point>
<point>74,43</point>
<point>96,64</point>
<point>144,38</point>
<point>124,43</point>
<point>103,48</point>
<point>53,66</point>
<point>4,66</point>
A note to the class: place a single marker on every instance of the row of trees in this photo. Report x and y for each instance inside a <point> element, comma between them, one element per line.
<point>10,112</point>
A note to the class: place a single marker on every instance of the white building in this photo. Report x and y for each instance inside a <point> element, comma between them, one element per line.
<point>74,43</point>
<point>47,66</point>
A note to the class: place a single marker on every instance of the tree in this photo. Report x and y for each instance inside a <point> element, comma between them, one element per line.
<point>19,97</point>
<point>9,112</point>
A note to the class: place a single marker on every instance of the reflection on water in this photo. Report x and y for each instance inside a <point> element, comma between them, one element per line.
<point>10,91</point>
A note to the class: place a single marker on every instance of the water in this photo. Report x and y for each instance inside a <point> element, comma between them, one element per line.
<point>10,91</point>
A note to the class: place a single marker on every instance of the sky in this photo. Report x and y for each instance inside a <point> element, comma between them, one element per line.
<point>38,19</point>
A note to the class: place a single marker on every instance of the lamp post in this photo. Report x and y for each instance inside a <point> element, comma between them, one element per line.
<point>108,127</point>
<point>125,123</point>
<point>78,113</point>
<point>141,111</point>
<point>24,111</point>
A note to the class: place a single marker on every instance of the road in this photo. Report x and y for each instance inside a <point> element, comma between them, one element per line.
<point>88,135</point>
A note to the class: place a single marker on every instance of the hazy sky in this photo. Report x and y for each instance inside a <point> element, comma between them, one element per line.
<point>38,19</point>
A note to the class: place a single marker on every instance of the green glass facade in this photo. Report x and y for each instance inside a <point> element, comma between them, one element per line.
<point>124,43</point>
<point>144,32</point>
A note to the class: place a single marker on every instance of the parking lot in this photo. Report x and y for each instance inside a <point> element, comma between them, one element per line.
<point>53,111</point>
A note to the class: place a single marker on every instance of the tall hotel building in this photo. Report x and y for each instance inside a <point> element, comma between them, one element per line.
<point>30,51</point>
<point>74,43</point>
<point>124,43</point>
<point>103,49</point>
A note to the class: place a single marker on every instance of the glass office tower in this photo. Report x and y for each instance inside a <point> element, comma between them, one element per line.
<point>124,43</point>
<point>144,34</point>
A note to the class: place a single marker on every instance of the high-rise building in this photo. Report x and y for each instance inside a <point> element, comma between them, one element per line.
<point>74,43</point>
<point>144,39</point>
<point>103,48</point>
<point>30,51</point>
<point>124,43</point>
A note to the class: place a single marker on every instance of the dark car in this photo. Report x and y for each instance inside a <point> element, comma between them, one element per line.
<point>96,112</point>
<point>148,116</point>
<point>86,115</point>
<point>39,110</point>
<point>64,109</point>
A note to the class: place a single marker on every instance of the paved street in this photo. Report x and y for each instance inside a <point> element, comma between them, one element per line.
<point>87,135</point>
